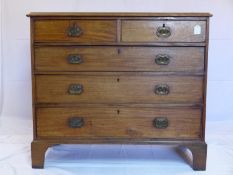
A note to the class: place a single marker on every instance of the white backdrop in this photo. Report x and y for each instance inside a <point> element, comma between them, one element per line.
<point>15,59</point>
<point>15,95</point>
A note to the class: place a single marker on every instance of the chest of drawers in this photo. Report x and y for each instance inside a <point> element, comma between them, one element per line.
<point>119,78</point>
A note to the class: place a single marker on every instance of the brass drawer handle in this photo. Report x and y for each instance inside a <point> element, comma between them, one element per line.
<point>162,89</point>
<point>160,122</point>
<point>76,122</point>
<point>74,59</point>
<point>75,89</point>
<point>162,59</point>
<point>74,31</point>
<point>163,32</point>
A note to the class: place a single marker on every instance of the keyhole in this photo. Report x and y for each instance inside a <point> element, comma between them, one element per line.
<point>118,111</point>
<point>118,79</point>
<point>119,51</point>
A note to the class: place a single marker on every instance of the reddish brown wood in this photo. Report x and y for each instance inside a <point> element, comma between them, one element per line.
<point>145,31</point>
<point>38,150</point>
<point>92,31</point>
<point>197,159</point>
<point>118,89</point>
<point>147,44</point>
<point>119,76</point>
<point>203,121</point>
<point>118,122</point>
<point>120,73</point>
<point>118,59</point>
<point>125,14</point>
<point>32,75</point>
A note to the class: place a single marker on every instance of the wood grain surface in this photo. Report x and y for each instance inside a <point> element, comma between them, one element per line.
<point>108,14</point>
<point>118,74</point>
<point>145,31</point>
<point>118,122</point>
<point>100,58</point>
<point>92,31</point>
<point>118,89</point>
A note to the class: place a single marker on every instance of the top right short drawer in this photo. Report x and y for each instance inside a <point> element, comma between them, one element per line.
<point>163,31</point>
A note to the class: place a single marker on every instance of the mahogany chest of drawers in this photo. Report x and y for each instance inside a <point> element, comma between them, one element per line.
<point>125,78</point>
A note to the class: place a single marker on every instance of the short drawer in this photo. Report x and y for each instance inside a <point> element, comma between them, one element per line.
<point>183,123</point>
<point>118,89</point>
<point>79,31</point>
<point>98,58</point>
<point>163,31</point>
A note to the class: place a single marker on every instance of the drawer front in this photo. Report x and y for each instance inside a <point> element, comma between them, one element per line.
<point>118,89</point>
<point>80,31</point>
<point>163,31</point>
<point>118,122</point>
<point>119,59</point>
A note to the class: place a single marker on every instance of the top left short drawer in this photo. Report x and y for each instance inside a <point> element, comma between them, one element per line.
<point>79,31</point>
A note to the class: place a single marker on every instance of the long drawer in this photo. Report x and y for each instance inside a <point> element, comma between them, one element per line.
<point>121,122</point>
<point>118,89</point>
<point>79,31</point>
<point>98,58</point>
<point>163,31</point>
